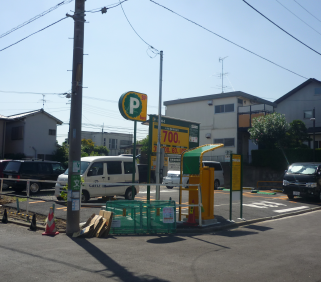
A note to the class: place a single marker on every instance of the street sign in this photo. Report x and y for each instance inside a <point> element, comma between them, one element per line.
<point>177,135</point>
<point>133,105</point>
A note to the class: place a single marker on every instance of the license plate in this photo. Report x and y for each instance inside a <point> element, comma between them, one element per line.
<point>295,193</point>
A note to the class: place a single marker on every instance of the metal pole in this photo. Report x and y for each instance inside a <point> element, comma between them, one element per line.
<point>28,193</point>
<point>1,187</point>
<point>159,128</point>
<point>200,202</point>
<point>73,201</point>
<point>134,161</point>
<point>314,134</point>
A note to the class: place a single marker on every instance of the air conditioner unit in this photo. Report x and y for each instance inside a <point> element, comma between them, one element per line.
<point>208,135</point>
<point>210,103</point>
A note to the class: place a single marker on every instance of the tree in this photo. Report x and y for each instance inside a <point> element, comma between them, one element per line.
<point>145,143</point>
<point>296,135</point>
<point>269,130</point>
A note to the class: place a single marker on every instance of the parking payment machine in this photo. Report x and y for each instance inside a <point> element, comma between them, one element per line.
<point>192,164</point>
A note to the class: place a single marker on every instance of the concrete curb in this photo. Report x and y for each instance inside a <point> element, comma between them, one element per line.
<point>209,229</point>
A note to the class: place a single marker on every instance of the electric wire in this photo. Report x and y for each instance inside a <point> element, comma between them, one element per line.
<point>150,47</point>
<point>298,17</point>
<point>108,7</point>
<point>306,10</point>
<point>281,27</point>
<point>33,34</point>
<point>36,17</point>
<point>229,40</point>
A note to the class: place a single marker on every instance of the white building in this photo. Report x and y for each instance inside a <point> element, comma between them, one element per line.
<point>115,142</point>
<point>33,134</point>
<point>224,118</point>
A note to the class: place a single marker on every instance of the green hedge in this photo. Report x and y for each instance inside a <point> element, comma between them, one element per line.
<point>280,159</point>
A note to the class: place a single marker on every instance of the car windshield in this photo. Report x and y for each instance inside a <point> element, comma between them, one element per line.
<point>172,175</point>
<point>83,167</point>
<point>12,167</point>
<point>303,169</point>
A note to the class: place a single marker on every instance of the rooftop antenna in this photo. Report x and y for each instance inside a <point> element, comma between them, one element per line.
<point>222,74</point>
<point>43,101</point>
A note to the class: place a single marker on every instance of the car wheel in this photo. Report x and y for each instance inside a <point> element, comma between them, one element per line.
<point>85,196</point>
<point>129,194</point>
<point>216,184</point>
<point>291,197</point>
<point>169,187</point>
<point>34,188</point>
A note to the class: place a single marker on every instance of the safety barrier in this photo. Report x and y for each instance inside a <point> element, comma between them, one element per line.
<point>180,205</point>
<point>268,186</point>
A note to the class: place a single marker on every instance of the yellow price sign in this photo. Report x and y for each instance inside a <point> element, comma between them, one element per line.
<point>174,138</point>
<point>236,172</point>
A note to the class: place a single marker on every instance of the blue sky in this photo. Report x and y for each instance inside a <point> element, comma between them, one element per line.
<point>118,60</point>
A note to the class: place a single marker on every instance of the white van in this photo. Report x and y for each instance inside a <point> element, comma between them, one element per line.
<point>104,169</point>
<point>218,173</point>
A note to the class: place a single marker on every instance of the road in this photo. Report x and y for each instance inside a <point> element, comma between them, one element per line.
<point>286,249</point>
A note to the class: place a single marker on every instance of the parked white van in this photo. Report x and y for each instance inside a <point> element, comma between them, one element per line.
<point>218,173</point>
<point>99,171</point>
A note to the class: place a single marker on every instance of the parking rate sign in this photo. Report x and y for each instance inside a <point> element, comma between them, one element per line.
<point>133,105</point>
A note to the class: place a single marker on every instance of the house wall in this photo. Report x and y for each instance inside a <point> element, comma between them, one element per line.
<point>304,99</point>
<point>14,146</point>
<point>37,135</point>
<point>2,134</point>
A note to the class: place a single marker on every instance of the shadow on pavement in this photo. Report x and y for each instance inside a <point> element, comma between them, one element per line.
<point>258,228</point>
<point>165,240</point>
<point>117,270</point>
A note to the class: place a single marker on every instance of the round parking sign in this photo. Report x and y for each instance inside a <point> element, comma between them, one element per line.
<point>133,105</point>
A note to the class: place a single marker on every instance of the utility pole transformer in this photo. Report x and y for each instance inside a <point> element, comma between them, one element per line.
<point>74,180</point>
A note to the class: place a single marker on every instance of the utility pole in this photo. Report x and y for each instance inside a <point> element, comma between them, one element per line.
<point>314,134</point>
<point>74,180</point>
<point>222,75</point>
<point>159,127</point>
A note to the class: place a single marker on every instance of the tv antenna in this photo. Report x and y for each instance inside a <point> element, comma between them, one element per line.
<point>222,73</point>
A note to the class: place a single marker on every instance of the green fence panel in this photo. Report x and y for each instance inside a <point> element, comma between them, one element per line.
<point>142,217</point>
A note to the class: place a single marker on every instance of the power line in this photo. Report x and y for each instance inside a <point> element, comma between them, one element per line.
<point>33,33</point>
<point>104,9</point>
<point>306,10</point>
<point>36,17</point>
<point>154,50</point>
<point>228,40</point>
<point>281,27</point>
<point>297,17</point>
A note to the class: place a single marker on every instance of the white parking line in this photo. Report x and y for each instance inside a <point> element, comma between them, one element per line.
<point>292,209</point>
<point>162,191</point>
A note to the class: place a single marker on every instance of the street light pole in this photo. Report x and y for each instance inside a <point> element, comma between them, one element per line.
<point>159,128</point>
<point>74,180</point>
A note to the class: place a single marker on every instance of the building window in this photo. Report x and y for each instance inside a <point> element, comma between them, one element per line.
<point>17,133</point>
<point>240,101</point>
<point>105,142</point>
<point>112,143</point>
<point>228,108</point>
<point>308,114</point>
<point>52,132</point>
<point>228,142</point>
<point>317,91</point>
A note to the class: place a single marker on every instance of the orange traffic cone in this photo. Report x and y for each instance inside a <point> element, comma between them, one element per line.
<point>191,216</point>
<point>50,224</point>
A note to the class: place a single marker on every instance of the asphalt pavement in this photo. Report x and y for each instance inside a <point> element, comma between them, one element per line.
<point>286,249</point>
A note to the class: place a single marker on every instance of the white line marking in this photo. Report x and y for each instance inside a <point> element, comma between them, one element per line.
<point>292,209</point>
<point>162,191</point>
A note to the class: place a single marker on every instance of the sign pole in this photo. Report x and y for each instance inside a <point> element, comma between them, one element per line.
<point>150,144</point>
<point>231,186</point>
<point>134,161</point>
<point>159,128</point>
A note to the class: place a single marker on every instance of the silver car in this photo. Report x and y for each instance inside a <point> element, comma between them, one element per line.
<point>173,178</point>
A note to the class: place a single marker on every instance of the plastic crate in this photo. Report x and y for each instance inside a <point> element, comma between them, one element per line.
<point>142,217</point>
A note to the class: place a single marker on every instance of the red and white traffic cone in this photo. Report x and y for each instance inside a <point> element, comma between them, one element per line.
<point>50,224</point>
<point>191,216</point>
